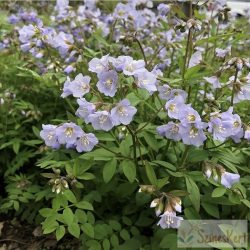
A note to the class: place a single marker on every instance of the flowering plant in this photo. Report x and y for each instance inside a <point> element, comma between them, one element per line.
<point>157,116</point>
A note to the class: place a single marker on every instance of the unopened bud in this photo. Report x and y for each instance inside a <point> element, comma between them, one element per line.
<point>65,184</point>
<point>58,189</point>
<point>175,202</point>
<point>155,202</point>
<point>147,189</point>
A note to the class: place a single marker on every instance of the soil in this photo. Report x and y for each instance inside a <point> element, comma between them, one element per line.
<point>17,235</point>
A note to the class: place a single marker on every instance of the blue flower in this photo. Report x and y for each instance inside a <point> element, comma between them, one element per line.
<point>132,67</point>
<point>108,82</point>
<point>86,142</point>
<point>69,69</point>
<point>247,134</point>
<point>63,43</point>
<point>169,220</point>
<point>164,92</point>
<point>174,107</point>
<point>193,134</point>
<point>78,87</point>
<point>68,133</point>
<point>170,131</point>
<point>26,33</point>
<point>48,134</point>
<point>228,179</point>
<point>163,9</point>
<point>146,80</point>
<point>214,81</point>
<point>101,120</point>
<point>225,125</point>
<point>187,115</point>
<point>85,109</point>
<point>123,113</point>
<point>97,65</point>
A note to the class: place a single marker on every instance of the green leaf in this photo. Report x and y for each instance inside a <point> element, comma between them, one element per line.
<point>16,205</point>
<point>211,209</point>
<point>60,232</point>
<point>93,245</point>
<point>168,241</point>
<point>46,212</point>
<point>16,146</point>
<point>99,155</point>
<point>197,155</point>
<point>166,165</point>
<point>125,145</point>
<point>151,141</point>
<point>88,229</point>
<point>194,193</point>
<point>178,193</point>
<point>36,131</point>
<point>86,176</point>
<point>114,240</point>
<point>115,225</point>
<point>162,182</point>
<point>84,205</point>
<point>106,244</point>
<point>124,234</point>
<point>81,215</point>
<point>51,227</point>
<point>191,72</point>
<point>74,229</point>
<point>129,170</point>
<point>246,202</point>
<point>109,170</point>
<point>68,216</point>
<point>151,174</point>
<point>70,196</point>
<point>191,214</point>
<point>218,192</point>
<point>133,98</point>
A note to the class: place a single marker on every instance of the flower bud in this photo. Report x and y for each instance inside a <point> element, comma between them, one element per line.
<point>175,202</point>
<point>155,202</point>
<point>58,189</point>
<point>159,208</point>
<point>65,184</point>
<point>147,189</point>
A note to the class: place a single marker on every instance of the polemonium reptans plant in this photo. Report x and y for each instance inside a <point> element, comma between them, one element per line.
<point>152,127</point>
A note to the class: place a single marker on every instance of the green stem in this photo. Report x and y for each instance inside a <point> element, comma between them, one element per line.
<point>139,147</point>
<point>216,146</point>
<point>134,144</point>
<point>208,35</point>
<point>112,31</point>
<point>142,51</point>
<point>172,60</point>
<point>167,145</point>
<point>70,105</point>
<point>184,157</point>
<point>185,64</point>
<point>233,90</point>
<point>204,97</point>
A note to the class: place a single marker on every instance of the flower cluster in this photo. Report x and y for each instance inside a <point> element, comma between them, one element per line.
<point>225,125</point>
<point>188,125</point>
<point>167,212</point>
<point>165,207</point>
<point>219,174</point>
<point>70,135</point>
<point>24,16</point>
